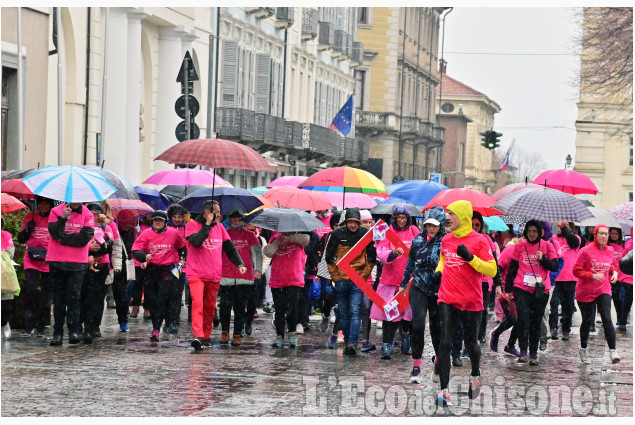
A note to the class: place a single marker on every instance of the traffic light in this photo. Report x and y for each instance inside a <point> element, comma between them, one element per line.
<point>490,139</point>
<point>187,106</point>
<point>484,138</point>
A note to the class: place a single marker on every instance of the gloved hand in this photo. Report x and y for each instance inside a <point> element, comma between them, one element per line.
<point>436,278</point>
<point>30,226</point>
<point>464,253</point>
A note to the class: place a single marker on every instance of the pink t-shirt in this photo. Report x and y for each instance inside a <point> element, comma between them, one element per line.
<point>592,260</point>
<point>7,240</point>
<point>105,259</point>
<point>327,226</point>
<point>392,273</point>
<point>570,255</point>
<point>558,250</point>
<point>243,240</point>
<point>460,283</point>
<point>619,251</point>
<point>162,246</point>
<point>74,224</point>
<point>628,246</point>
<point>181,231</point>
<point>38,238</point>
<point>529,268</point>
<point>287,265</point>
<point>206,261</point>
<point>504,260</point>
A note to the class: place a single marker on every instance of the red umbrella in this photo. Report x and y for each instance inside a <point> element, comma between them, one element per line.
<point>567,181</point>
<point>16,187</point>
<point>480,201</point>
<point>138,207</point>
<point>506,190</point>
<point>10,203</point>
<point>215,153</point>
<point>291,197</point>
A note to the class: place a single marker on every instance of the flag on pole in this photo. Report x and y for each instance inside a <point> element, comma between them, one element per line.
<point>344,117</point>
<point>505,163</point>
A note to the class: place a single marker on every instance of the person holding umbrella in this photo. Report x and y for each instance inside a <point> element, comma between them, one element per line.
<point>465,256</point>
<point>34,233</point>
<point>596,272</point>
<point>528,277</point>
<point>206,241</point>
<point>176,215</point>
<point>159,250</point>
<point>71,228</point>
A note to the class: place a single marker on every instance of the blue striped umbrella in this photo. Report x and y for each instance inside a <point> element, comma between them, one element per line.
<point>69,183</point>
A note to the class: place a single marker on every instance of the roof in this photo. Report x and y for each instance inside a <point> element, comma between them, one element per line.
<point>451,86</point>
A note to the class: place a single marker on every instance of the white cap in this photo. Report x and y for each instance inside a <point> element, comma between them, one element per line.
<point>365,215</point>
<point>432,221</point>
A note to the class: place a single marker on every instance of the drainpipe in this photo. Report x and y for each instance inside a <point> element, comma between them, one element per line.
<point>414,143</point>
<point>20,95</point>
<point>104,87</point>
<point>284,71</point>
<point>87,85</point>
<point>403,81</point>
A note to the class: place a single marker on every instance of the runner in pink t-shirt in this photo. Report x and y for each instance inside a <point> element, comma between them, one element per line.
<point>624,281</point>
<point>176,214</point>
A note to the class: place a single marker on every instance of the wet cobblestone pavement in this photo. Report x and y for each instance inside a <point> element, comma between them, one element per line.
<point>127,375</point>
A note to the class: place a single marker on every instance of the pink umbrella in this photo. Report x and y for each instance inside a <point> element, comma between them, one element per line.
<point>359,200</point>
<point>623,211</point>
<point>10,203</point>
<point>292,197</point>
<point>567,181</point>
<point>506,190</point>
<point>293,181</point>
<point>187,177</point>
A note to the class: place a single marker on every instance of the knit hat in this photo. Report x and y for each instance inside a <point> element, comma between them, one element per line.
<point>364,215</point>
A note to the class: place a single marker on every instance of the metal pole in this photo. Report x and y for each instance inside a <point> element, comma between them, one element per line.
<point>210,88</point>
<point>403,82</point>
<point>60,92</point>
<point>20,95</point>
<point>186,71</point>
<point>104,87</point>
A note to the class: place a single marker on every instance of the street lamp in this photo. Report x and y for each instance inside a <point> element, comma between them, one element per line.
<point>567,161</point>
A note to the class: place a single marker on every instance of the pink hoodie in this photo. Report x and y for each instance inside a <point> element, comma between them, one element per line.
<point>592,259</point>
<point>392,273</point>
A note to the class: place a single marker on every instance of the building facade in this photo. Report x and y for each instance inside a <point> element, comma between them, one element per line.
<point>396,91</point>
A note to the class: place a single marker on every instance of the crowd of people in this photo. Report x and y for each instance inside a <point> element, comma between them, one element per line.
<point>77,254</point>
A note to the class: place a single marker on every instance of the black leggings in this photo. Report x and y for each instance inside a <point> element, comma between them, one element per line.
<point>119,286</point>
<point>587,311</point>
<point>234,296</point>
<point>564,293</point>
<point>93,294</point>
<point>530,311</point>
<point>622,310</point>
<point>486,295</point>
<point>37,306</point>
<point>285,303</point>
<point>365,312</point>
<point>422,304</point>
<point>159,286</point>
<point>471,322</point>
<point>173,316</point>
<point>137,288</point>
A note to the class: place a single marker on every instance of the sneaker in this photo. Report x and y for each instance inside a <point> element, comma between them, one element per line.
<point>533,359</point>
<point>331,342</point>
<point>197,345</point>
<point>332,316</point>
<point>522,358</point>
<point>475,387</point>
<point>593,331</point>
<point>293,340</point>
<point>352,349</point>
<point>405,344</point>
<point>621,328</point>
<point>123,327</point>
<point>542,345</point>
<point>155,336</point>
<point>615,358</point>
<point>25,331</point>
<point>565,336</point>
<point>415,375</point>
<point>268,308</point>
<point>135,311</point>
<point>205,342</point>
<point>146,314</point>
<point>493,341</point>
<point>443,399</point>
<point>368,346</point>
<point>256,316</point>
<point>457,362</point>
<point>584,355</point>
<point>465,353</point>
<point>236,341</point>
<point>224,337</point>
<point>380,325</point>
<point>299,329</point>
<point>57,340</point>
<point>340,337</point>
<point>6,331</point>
<point>434,376</point>
<point>279,342</point>
<point>554,333</point>
<point>385,352</point>
<point>511,349</point>
<point>248,328</point>
<point>324,326</point>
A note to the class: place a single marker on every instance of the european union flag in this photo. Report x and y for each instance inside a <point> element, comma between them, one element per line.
<point>342,120</point>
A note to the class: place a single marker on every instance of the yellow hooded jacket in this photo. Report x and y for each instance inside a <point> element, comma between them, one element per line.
<point>463,210</point>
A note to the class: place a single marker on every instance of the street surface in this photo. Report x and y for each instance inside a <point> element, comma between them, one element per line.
<point>126,375</point>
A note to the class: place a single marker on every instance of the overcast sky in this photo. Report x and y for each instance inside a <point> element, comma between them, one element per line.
<point>533,91</point>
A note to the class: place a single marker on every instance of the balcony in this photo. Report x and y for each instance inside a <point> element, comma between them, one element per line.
<point>358,52</point>
<point>438,136</point>
<point>285,16</point>
<point>235,123</point>
<point>326,35</point>
<point>260,12</point>
<point>309,23</point>
<point>373,124</point>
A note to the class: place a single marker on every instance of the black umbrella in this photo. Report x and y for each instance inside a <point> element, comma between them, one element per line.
<point>285,220</point>
<point>386,209</point>
<point>177,192</point>
<point>125,190</point>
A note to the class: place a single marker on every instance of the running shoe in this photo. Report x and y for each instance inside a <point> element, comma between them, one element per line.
<point>293,340</point>
<point>368,346</point>
<point>475,386</point>
<point>533,359</point>
<point>593,331</point>
<point>584,355</point>
<point>415,375</point>
<point>340,337</point>
<point>279,342</point>
<point>511,349</point>
<point>522,358</point>
<point>493,341</point>
<point>457,362</point>
<point>155,336</point>
<point>542,344</point>
<point>123,327</point>
<point>565,336</point>
<point>615,358</point>
<point>443,399</point>
<point>6,331</point>
<point>330,343</point>
<point>299,329</point>
<point>197,345</point>
<point>385,352</point>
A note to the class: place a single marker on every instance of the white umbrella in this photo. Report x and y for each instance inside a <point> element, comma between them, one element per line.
<point>600,216</point>
<point>69,183</point>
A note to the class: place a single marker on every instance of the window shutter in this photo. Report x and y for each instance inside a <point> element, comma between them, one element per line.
<point>263,83</point>
<point>239,83</point>
<point>323,105</point>
<point>281,72</point>
<point>229,87</point>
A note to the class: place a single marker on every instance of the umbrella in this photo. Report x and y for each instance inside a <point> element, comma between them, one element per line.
<point>416,192</point>
<point>587,203</point>
<point>567,181</point>
<point>215,153</point>
<point>515,187</point>
<point>153,198</point>
<point>626,226</point>
<point>260,190</point>
<point>10,203</point>
<point>285,220</point>
<point>386,209</point>
<point>344,180</point>
<point>495,223</point>
<point>544,204</point>
<point>122,185</point>
<point>18,174</point>
<point>600,216</point>
<point>229,199</point>
<point>623,211</point>
<point>513,219</point>
<point>187,177</point>
<point>138,207</point>
<point>352,200</point>
<point>16,187</point>
<point>291,197</point>
<point>287,181</point>
<point>480,201</point>
<point>174,193</point>
<point>69,183</point>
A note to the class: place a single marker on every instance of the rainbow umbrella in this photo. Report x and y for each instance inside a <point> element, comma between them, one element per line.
<point>344,179</point>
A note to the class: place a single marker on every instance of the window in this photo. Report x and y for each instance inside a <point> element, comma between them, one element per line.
<point>360,80</point>
<point>447,107</point>
<point>362,15</point>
